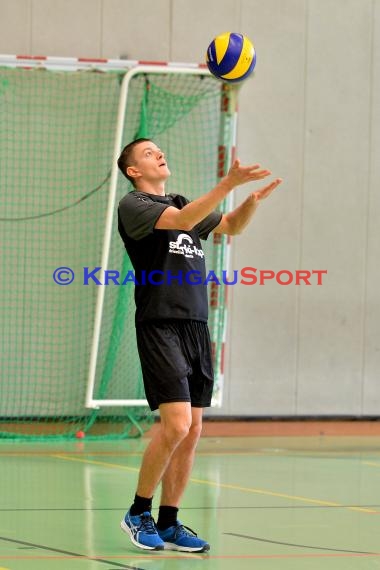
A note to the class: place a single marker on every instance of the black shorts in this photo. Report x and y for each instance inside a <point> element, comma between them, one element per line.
<point>176,362</point>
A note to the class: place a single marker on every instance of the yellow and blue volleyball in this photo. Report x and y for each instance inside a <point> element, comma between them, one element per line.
<point>231,57</point>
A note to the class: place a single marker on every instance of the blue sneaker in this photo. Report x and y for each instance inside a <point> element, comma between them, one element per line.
<point>142,531</point>
<point>180,537</point>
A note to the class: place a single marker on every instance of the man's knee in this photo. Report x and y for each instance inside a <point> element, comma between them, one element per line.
<point>176,431</point>
<point>195,431</point>
<point>175,420</point>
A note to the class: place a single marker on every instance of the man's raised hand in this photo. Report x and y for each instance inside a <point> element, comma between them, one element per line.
<point>238,174</point>
<point>264,192</point>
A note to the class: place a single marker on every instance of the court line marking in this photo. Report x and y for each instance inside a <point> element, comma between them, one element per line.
<point>283,496</point>
<point>140,453</point>
<point>371,463</point>
<point>291,453</point>
<point>183,556</point>
<point>225,485</point>
<point>293,545</point>
<point>233,507</point>
<point>67,554</point>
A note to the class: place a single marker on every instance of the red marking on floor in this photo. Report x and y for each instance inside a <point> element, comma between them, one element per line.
<point>199,556</point>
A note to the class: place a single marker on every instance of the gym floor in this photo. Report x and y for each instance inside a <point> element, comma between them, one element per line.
<point>262,501</point>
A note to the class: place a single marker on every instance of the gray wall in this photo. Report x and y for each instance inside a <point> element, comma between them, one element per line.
<point>312,114</point>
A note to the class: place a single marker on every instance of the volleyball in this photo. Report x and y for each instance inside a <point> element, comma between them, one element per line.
<point>231,57</point>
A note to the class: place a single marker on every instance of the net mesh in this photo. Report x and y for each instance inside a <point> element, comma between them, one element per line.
<point>57,131</point>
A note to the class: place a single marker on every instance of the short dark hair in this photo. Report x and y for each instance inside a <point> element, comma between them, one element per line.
<point>126,157</point>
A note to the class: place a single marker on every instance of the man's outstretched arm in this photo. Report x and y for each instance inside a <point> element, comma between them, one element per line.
<point>200,208</point>
<point>234,222</point>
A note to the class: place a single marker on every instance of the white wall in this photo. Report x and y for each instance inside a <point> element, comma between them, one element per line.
<point>312,114</point>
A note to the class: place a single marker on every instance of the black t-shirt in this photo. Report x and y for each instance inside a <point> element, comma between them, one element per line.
<point>165,257</point>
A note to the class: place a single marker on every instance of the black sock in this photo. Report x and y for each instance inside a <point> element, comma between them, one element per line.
<point>141,505</point>
<point>167,516</point>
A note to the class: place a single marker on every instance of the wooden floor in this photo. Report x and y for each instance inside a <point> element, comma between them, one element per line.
<point>265,502</point>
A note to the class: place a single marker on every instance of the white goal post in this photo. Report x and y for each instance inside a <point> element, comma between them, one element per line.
<point>228,142</point>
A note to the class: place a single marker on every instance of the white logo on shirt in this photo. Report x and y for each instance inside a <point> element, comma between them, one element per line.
<point>187,249</point>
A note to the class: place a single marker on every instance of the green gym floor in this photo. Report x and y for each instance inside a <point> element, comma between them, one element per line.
<point>264,503</point>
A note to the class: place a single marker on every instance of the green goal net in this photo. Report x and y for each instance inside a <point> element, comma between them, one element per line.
<point>57,154</point>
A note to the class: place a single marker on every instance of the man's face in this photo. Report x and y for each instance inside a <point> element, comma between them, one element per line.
<point>149,163</point>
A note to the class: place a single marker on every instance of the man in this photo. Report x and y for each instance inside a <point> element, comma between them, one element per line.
<point>162,236</point>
